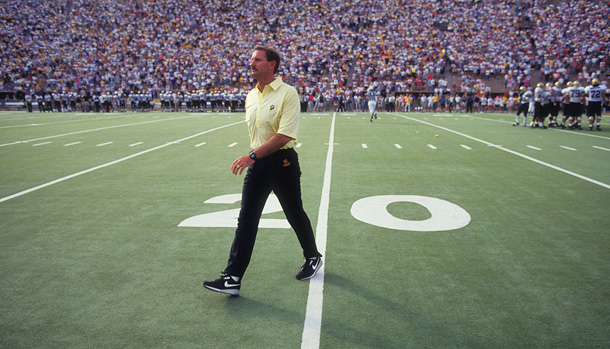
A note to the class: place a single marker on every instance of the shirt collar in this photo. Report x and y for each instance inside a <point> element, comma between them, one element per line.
<point>275,84</point>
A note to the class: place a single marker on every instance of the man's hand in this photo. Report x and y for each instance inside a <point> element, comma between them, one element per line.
<point>275,143</point>
<point>240,164</point>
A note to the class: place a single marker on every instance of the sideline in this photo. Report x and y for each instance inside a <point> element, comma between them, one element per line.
<point>92,130</point>
<point>27,191</point>
<point>56,122</point>
<point>590,180</point>
<point>554,129</point>
<point>313,314</point>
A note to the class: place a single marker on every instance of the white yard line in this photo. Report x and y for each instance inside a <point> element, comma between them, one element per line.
<point>557,168</point>
<point>313,315</point>
<point>103,144</point>
<point>601,148</point>
<point>59,180</point>
<point>586,134</point>
<point>554,129</point>
<point>92,130</point>
<point>53,122</point>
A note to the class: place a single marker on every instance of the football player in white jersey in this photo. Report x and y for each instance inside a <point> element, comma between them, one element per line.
<point>555,104</point>
<point>576,95</point>
<point>538,107</point>
<point>565,100</point>
<point>372,98</point>
<point>595,99</point>
<point>525,96</point>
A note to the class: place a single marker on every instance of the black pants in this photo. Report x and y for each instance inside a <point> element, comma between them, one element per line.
<point>280,173</point>
<point>523,108</point>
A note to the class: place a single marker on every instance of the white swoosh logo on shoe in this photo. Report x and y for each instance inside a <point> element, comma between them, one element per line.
<point>227,285</point>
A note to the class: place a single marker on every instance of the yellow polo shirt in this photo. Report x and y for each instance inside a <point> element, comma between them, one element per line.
<point>275,110</point>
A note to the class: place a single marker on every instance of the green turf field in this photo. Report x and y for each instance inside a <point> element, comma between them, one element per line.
<point>443,231</point>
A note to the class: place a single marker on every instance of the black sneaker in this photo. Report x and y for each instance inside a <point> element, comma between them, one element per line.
<point>225,284</point>
<point>310,268</point>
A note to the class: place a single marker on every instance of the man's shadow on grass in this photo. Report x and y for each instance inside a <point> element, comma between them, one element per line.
<point>247,309</point>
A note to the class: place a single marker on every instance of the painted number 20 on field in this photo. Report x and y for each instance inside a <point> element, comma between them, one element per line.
<point>443,215</point>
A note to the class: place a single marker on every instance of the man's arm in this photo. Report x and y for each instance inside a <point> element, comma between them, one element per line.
<point>275,143</point>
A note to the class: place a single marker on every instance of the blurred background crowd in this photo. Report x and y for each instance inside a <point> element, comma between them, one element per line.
<point>329,48</point>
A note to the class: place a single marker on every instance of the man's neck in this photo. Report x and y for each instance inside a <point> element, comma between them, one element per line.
<point>264,82</point>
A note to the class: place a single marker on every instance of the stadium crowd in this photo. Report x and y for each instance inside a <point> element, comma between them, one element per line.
<point>332,50</point>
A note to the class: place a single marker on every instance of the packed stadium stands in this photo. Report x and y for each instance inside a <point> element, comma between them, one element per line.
<point>328,47</point>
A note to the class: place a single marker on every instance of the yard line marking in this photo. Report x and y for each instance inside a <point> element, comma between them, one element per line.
<point>313,315</point>
<point>557,168</point>
<point>71,144</point>
<point>92,130</point>
<point>364,146</point>
<point>59,180</point>
<point>600,148</point>
<point>200,144</point>
<point>133,145</point>
<point>299,145</point>
<point>586,134</point>
<point>494,120</point>
<point>532,147</point>
<point>398,146</point>
<point>43,143</point>
<point>568,148</point>
<point>466,147</point>
<point>54,122</point>
<point>432,147</point>
<point>232,145</point>
<point>103,144</point>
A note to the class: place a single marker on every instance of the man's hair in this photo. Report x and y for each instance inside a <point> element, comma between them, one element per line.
<point>271,55</point>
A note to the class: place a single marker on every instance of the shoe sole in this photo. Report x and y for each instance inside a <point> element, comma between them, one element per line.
<point>315,271</point>
<point>232,292</point>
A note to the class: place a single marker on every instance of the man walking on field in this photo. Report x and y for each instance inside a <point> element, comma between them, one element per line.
<point>272,115</point>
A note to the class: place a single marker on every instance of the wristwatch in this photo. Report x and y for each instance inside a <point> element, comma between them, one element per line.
<point>253,156</point>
